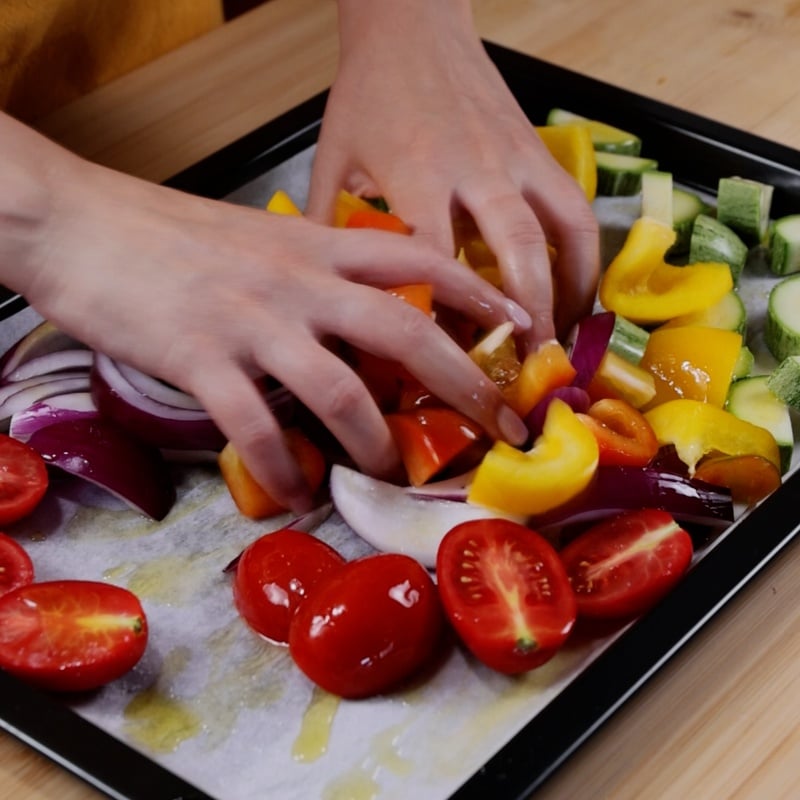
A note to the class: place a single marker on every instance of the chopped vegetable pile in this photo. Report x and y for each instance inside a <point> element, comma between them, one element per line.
<point>651,426</point>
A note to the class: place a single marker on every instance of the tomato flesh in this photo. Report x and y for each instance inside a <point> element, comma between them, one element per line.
<point>23,479</point>
<point>622,566</point>
<point>16,567</point>
<point>367,626</point>
<point>506,593</point>
<point>275,574</point>
<point>71,635</point>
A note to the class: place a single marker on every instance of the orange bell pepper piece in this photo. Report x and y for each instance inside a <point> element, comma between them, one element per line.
<point>750,478</point>
<point>546,368</point>
<point>377,220</point>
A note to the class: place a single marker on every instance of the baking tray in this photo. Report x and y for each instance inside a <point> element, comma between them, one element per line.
<point>698,152</point>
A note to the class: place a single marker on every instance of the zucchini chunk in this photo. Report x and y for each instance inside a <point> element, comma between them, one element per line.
<point>785,245</point>
<point>744,205</point>
<point>782,322</point>
<point>784,382</point>
<point>712,240</point>
<point>620,175</point>
<point>686,207</point>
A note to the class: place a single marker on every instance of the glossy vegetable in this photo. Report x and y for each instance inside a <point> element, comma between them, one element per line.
<point>543,369</point>
<point>99,451</point>
<point>621,567</point>
<point>16,567</point>
<point>429,439</point>
<point>368,626</point>
<point>378,220</point>
<point>571,146</point>
<point>641,286</point>
<point>275,574</point>
<point>71,636</point>
<point>23,479</point>
<point>506,593</point>
<point>251,498</point>
<point>43,339</point>
<point>749,478</point>
<point>72,405</point>
<point>624,436</point>
<point>558,467</point>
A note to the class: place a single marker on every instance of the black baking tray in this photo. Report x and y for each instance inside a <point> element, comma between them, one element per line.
<point>698,152</point>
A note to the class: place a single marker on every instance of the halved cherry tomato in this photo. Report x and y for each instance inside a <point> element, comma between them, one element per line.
<point>749,477</point>
<point>624,436</point>
<point>379,220</point>
<point>431,438</point>
<point>506,593</point>
<point>620,567</point>
<point>251,499</point>
<point>16,567</point>
<point>367,626</point>
<point>71,635</point>
<point>275,574</point>
<point>23,479</point>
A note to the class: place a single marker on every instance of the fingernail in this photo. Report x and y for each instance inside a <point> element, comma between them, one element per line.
<point>512,427</point>
<point>518,315</point>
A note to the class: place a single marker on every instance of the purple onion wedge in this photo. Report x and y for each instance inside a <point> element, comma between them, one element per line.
<point>72,405</point>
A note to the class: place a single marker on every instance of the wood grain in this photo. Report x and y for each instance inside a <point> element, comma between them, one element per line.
<point>719,720</point>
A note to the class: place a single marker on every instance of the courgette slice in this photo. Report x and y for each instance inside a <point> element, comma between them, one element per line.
<point>712,240</point>
<point>744,205</point>
<point>657,196</point>
<point>785,245</point>
<point>784,381</point>
<point>605,138</point>
<point>782,322</point>
<point>628,339</point>
<point>752,400</point>
<point>729,314</point>
<point>686,207</point>
<point>744,364</point>
<point>620,175</point>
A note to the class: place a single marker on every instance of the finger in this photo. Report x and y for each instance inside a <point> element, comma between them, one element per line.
<point>386,259</point>
<point>335,394</point>
<point>390,328</point>
<point>511,230</point>
<point>238,408</point>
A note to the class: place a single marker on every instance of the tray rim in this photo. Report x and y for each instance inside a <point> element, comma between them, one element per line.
<point>546,742</point>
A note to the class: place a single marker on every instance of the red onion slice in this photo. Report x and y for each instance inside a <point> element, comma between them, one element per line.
<point>72,405</point>
<point>616,489</point>
<point>29,392</point>
<point>164,426</point>
<point>51,364</point>
<point>100,452</point>
<point>587,344</point>
<point>44,338</point>
<point>157,390</point>
<point>574,396</point>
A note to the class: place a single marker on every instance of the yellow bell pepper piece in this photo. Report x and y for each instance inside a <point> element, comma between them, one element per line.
<point>559,466</point>
<point>691,362</point>
<point>346,203</point>
<point>281,203</point>
<point>571,145</point>
<point>695,429</point>
<point>641,286</point>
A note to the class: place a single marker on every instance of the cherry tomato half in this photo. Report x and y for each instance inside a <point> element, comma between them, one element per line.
<point>367,626</point>
<point>505,592</point>
<point>70,635</point>
<point>620,567</point>
<point>16,567</point>
<point>23,479</point>
<point>275,574</point>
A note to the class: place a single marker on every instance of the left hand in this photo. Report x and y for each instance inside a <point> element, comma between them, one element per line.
<point>419,115</point>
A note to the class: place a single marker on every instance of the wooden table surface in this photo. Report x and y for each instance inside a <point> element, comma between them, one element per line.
<point>720,720</point>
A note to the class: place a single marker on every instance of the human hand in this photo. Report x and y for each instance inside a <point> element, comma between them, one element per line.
<point>418,114</point>
<point>210,296</point>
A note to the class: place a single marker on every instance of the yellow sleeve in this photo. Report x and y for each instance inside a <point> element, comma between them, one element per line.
<point>53,52</point>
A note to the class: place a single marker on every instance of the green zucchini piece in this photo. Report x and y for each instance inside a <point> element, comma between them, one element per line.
<point>628,340</point>
<point>782,322</point>
<point>605,138</point>
<point>752,400</point>
<point>785,245</point>
<point>729,313</point>
<point>744,364</point>
<point>714,241</point>
<point>784,381</point>
<point>657,196</point>
<point>744,205</point>
<point>620,175</point>
<point>686,207</point>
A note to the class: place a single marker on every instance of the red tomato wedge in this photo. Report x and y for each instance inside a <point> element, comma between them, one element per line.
<point>70,635</point>
<point>23,479</point>
<point>506,593</point>
<point>378,220</point>
<point>275,574</point>
<point>16,567</point>
<point>624,436</point>
<point>622,566</point>
<point>368,626</point>
<point>429,439</point>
